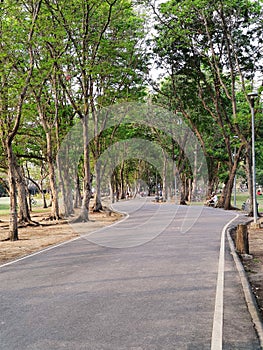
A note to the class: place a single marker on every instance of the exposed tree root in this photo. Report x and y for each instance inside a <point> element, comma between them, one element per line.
<point>80,218</point>
<point>25,223</point>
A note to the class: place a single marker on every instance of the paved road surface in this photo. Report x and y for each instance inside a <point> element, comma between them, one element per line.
<point>156,291</point>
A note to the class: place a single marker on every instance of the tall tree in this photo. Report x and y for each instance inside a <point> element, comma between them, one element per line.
<point>215,46</point>
<point>17,24</point>
<point>99,65</point>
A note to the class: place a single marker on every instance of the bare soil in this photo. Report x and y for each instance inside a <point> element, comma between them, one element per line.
<point>254,264</point>
<point>35,238</point>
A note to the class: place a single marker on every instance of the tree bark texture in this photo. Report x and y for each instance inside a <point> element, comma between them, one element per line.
<point>24,212</point>
<point>52,179</point>
<point>242,244</point>
<point>13,227</point>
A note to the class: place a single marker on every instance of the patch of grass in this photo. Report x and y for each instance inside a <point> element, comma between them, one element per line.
<point>4,209</point>
<point>4,206</point>
<point>241,197</point>
<point>37,208</point>
<point>256,260</point>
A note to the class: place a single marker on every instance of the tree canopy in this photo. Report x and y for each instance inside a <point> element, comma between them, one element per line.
<point>67,63</point>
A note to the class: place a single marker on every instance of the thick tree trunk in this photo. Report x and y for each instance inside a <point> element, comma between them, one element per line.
<point>24,213</point>
<point>65,187</point>
<point>225,199</point>
<point>183,190</point>
<point>242,243</point>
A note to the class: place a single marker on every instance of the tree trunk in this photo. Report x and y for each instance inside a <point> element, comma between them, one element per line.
<point>112,199</point>
<point>225,197</point>
<point>183,190</point>
<point>228,192</point>
<point>77,193</point>
<point>194,194</point>
<point>97,205</point>
<point>24,213</point>
<point>242,244</point>
<point>69,197</point>
<point>122,187</point>
<point>164,177</point>
<point>52,180</point>
<point>43,196</point>
<point>189,190</point>
<point>13,228</point>
<point>65,186</point>
<point>87,193</point>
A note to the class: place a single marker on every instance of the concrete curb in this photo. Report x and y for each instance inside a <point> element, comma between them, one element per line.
<point>249,296</point>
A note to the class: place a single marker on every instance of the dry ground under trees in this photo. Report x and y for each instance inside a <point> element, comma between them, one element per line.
<point>47,233</point>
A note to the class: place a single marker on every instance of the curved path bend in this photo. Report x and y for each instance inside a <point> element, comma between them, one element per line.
<point>161,279</point>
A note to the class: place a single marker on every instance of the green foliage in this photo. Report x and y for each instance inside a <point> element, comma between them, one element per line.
<point>210,51</point>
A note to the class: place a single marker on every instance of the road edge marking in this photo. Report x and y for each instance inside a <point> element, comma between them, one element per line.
<point>217,332</point>
<point>40,251</point>
<point>62,243</point>
<point>249,296</point>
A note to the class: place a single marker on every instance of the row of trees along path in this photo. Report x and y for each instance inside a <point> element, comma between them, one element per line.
<point>62,62</point>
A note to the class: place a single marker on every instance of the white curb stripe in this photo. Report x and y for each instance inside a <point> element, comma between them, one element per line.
<point>249,296</point>
<point>40,251</point>
<point>217,333</point>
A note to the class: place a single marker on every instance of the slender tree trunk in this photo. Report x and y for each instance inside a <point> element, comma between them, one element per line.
<point>39,187</point>
<point>97,205</point>
<point>13,224</point>
<point>189,190</point>
<point>52,180</point>
<point>194,194</point>
<point>69,197</point>
<point>112,199</point>
<point>43,195</point>
<point>122,187</point>
<point>87,193</point>
<point>164,177</point>
<point>77,192</point>
<point>65,187</point>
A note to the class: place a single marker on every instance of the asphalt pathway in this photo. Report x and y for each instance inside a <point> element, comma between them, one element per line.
<point>150,282</point>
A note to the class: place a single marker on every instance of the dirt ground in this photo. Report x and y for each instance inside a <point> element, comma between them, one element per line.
<point>254,264</point>
<point>35,238</point>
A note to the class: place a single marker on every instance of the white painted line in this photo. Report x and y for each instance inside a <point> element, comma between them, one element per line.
<point>249,296</point>
<point>40,251</point>
<point>59,244</point>
<point>217,333</point>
